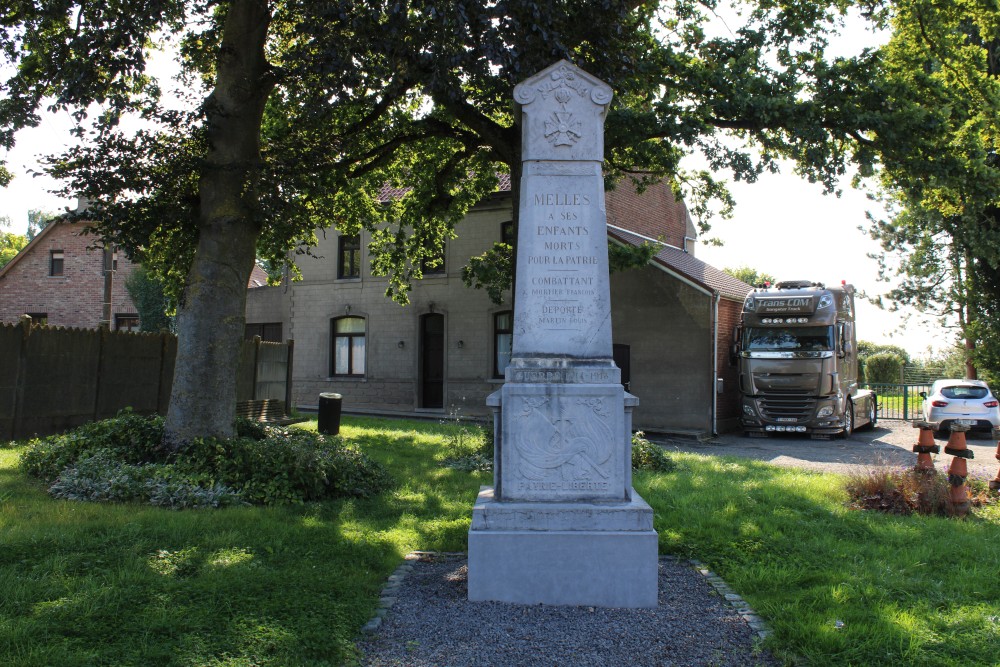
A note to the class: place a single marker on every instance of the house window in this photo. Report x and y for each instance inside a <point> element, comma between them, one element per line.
<point>347,354</point>
<point>268,331</point>
<point>503,337</point>
<point>349,257</point>
<point>507,232</point>
<point>127,323</point>
<point>38,318</point>
<point>55,262</point>
<point>433,265</point>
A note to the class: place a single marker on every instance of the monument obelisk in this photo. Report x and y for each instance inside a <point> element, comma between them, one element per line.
<point>562,523</point>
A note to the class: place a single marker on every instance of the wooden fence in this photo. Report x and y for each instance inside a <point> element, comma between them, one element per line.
<point>53,379</point>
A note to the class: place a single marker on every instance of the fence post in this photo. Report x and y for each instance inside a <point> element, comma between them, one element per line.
<point>906,402</point>
<point>22,375</point>
<point>256,362</point>
<point>290,353</point>
<point>102,334</point>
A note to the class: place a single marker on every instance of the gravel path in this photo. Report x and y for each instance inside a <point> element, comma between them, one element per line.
<point>432,623</point>
<point>890,443</point>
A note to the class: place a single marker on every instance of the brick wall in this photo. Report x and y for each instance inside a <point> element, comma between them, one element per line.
<point>74,299</point>
<point>728,406</point>
<point>654,213</point>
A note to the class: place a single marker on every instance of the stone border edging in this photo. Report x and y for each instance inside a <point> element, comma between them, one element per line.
<point>388,597</point>
<point>756,623</point>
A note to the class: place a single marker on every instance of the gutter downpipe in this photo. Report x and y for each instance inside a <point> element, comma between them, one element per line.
<point>715,366</point>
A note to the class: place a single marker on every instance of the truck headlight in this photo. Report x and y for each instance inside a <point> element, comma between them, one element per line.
<point>825,411</point>
<point>748,410</point>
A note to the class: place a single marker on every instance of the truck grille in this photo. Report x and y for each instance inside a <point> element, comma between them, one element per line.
<point>784,406</point>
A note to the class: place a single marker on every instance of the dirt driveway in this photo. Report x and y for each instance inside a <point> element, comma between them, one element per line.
<point>888,444</point>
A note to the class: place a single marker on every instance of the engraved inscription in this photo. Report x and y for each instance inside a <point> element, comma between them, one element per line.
<point>559,376</point>
<point>565,248</point>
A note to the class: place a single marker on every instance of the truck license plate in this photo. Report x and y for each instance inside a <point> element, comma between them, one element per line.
<point>966,422</point>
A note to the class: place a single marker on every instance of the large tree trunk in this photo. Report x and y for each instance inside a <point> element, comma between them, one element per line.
<point>211,316</point>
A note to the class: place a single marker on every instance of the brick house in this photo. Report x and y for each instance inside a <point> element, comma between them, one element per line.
<point>59,279</point>
<point>446,351</point>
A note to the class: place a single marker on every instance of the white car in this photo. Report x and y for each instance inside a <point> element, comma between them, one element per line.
<point>966,402</point>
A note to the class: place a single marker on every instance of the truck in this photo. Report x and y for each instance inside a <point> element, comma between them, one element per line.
<point>797,352</point>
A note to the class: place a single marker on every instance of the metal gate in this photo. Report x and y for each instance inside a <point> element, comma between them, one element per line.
<point>899,401</point>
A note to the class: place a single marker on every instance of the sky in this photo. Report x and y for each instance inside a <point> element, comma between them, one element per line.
<point>783,226</point>
<point>786,227</point>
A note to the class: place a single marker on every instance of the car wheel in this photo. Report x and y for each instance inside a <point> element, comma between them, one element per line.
<point>848,421</point>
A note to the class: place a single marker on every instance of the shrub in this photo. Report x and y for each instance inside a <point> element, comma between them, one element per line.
<point>469,447</point>
<point>131,437</point>
<point>883,368</point>
<point>647,456</point>
<point>907,491</point>
<point>120,459</point>
<point>102,476</point>
<point>286,466</point>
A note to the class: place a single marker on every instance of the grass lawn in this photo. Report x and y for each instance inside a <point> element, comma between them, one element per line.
<point>837,586</point>
<point>87,584</point>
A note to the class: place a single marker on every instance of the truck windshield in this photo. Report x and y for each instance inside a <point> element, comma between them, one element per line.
<point>792,339</point>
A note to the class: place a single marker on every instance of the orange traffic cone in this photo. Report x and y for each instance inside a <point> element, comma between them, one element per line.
<point>925,446</point>
<point>958,470</point>
<point>995,483</point>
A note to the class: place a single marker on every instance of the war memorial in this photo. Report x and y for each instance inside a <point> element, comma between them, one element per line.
<point>562,524</point>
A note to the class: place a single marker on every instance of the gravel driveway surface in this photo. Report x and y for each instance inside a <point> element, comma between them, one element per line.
<point>889,443</point>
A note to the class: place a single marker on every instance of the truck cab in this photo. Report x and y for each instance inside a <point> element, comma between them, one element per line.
<point>796,348</point>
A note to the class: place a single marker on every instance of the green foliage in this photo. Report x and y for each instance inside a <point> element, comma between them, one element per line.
<point>884,368</point>
<point>37,221</point>
<point>941,239</point>
<point>625,257</point>
<point>150,300</point>
<point>867,349</point>
<point>129,437</point>
<point>468,446</point>
<point>286,466</point>
<point>100,476</point>
<point>122,459</point>
<point>10,245</point>
<point>493,271</point>
<point>647,456</point>
<point>368,76</point>
<point>750,276</point>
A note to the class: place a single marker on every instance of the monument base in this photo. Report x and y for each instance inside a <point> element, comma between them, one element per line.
<point>565,553</point>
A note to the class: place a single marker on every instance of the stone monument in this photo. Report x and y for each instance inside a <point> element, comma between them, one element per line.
<point>562,523</point>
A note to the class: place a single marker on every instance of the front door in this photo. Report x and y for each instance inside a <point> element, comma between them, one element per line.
<point>432,361</point>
